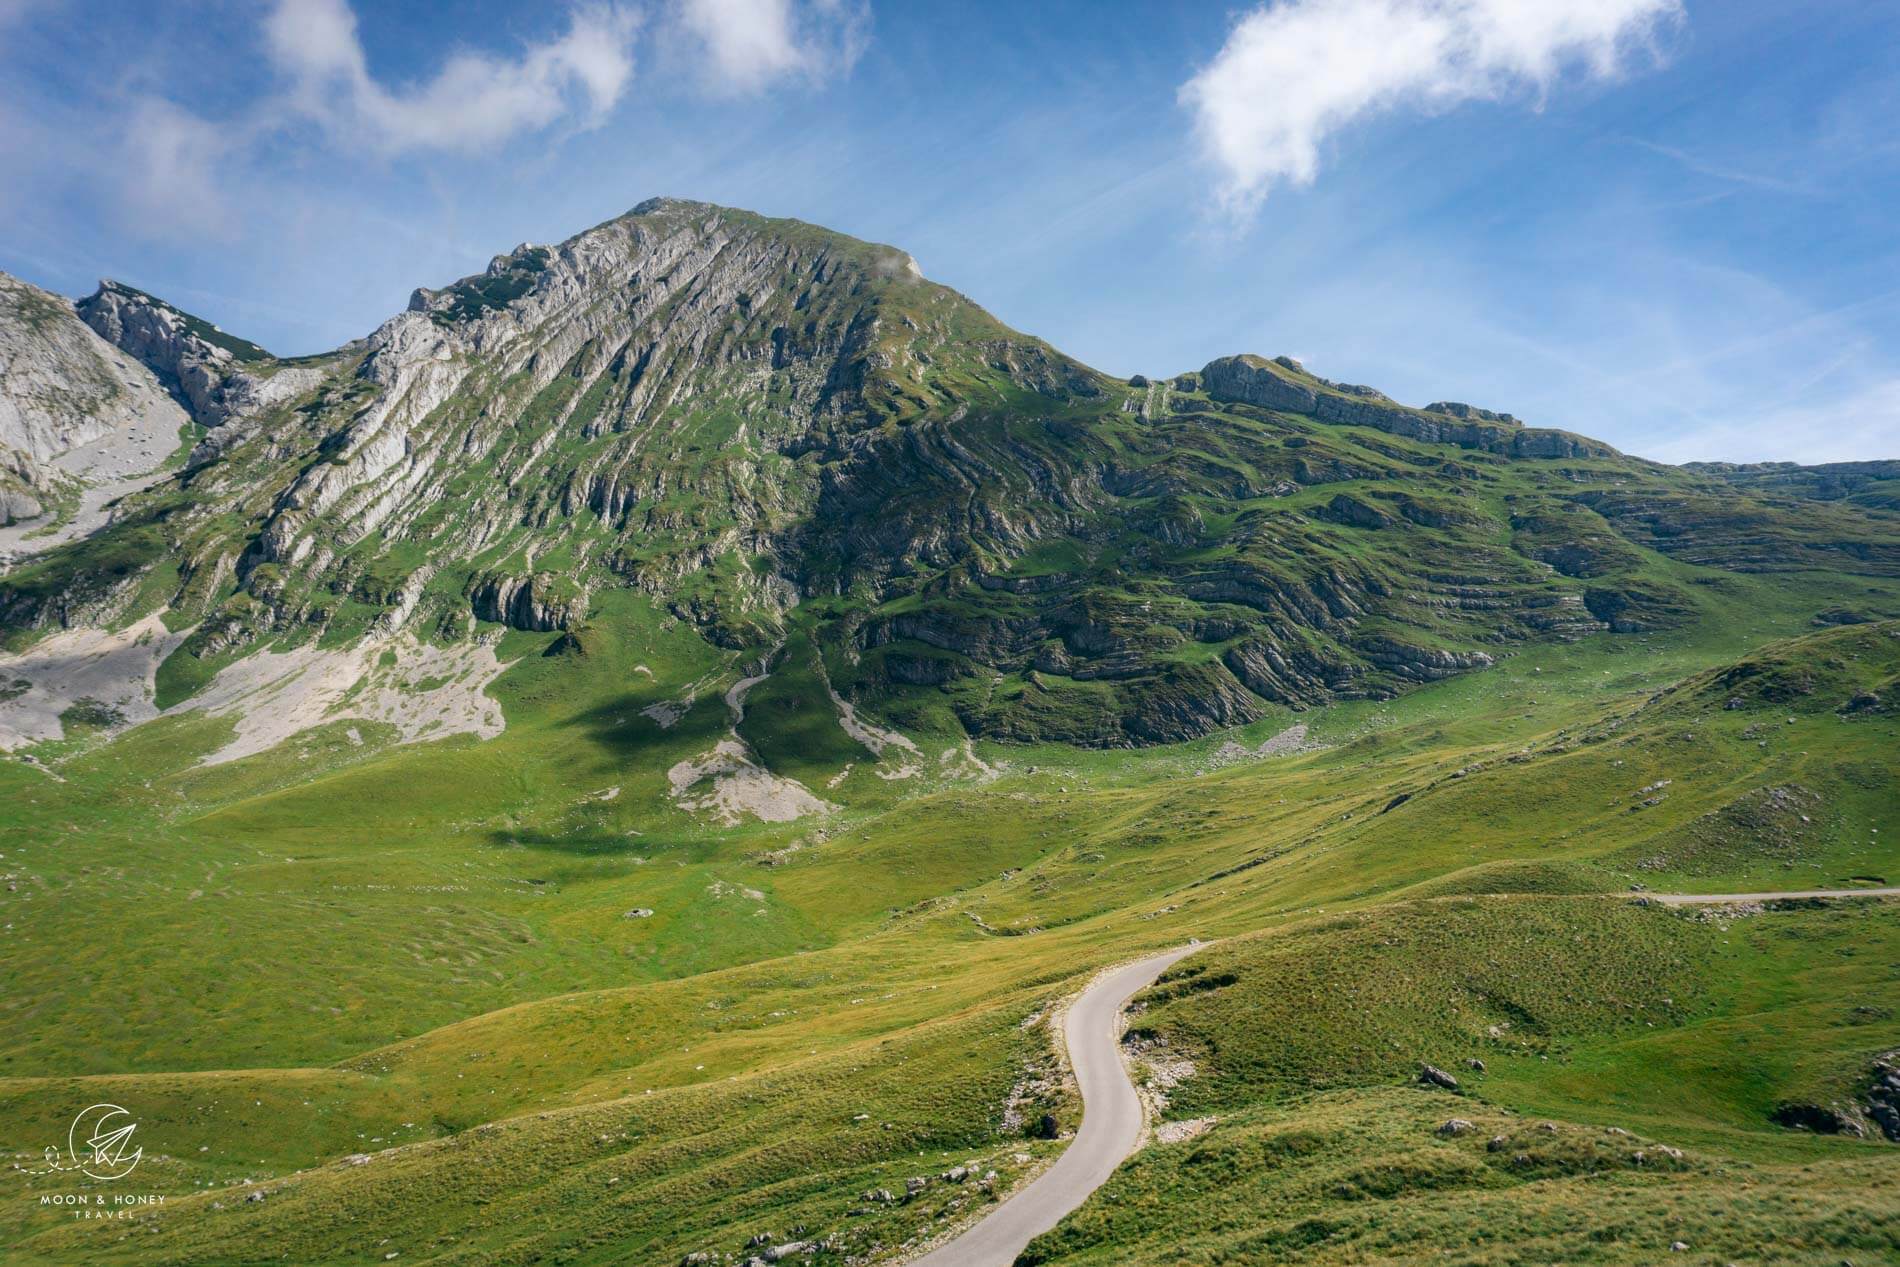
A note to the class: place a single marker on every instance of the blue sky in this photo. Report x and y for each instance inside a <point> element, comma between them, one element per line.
<point>1667,223</point>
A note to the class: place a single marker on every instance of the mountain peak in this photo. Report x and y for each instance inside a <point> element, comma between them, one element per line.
<point>740,416</point>
<point>219,378</point>
<point>80,422</point>
<point>114,302</point>
<point>665,203</point>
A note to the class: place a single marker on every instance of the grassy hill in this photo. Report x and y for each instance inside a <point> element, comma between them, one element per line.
<point>646,777</point>
<point>714,1063</point>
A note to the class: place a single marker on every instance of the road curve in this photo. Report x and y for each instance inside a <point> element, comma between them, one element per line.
<point>1112,1120</point>
<point>1725,899</point>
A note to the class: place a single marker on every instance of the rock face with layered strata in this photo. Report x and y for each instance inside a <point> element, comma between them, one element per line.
<point>1283,384</point>
<point>81,422</point>
<point>61,386</point>
<point>737,416</point>
<point>222,381</point>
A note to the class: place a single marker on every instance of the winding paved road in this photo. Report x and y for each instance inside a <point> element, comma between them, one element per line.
<point>1111,1125</point>
<point>1113,1115</point>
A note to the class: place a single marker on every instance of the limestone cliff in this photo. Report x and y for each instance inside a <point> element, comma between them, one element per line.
<point>749,418</point>
<point>76,415</point>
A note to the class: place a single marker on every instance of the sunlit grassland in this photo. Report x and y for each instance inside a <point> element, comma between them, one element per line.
<point>329,950</point>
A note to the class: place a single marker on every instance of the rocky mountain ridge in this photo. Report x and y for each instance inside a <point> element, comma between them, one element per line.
<point>1284,384</point>
<point>81,421</point>
<point>221,380</point>
<point>761,424</point>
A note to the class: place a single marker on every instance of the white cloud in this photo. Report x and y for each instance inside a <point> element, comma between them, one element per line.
<point>475,99</point>
<point>749,44</point>
<point>1860,424</point>
<point>179,173</point>
<point>1295,72</point>
<point>169,169</point>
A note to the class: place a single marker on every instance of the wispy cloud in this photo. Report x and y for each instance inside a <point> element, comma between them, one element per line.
<point>475,99</point>
<point>178,171</point>
<point>1730,174</point>
<point>1294,73</point>
<point>749,44</point>
<point>169,165</point>
<point>1843,427</point>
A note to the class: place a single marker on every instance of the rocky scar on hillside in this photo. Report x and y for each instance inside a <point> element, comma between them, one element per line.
<point>1873,1112</point>
<point>740,416</point>
<point>219,379</point>
<point>81,422</point>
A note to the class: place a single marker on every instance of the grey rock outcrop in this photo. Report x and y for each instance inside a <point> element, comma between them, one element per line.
<point>523,603</point>
<point>223,381</point>
<point>1346,509</point>
<point>81,423</point>
<point>1458,409</point>
<point>729,416</point>
<point>1872,1114</point>
<point>61,386</point>
<point>1284,386</point>
<point>1822,1119</point>
<point>17,505</point>
<point>1883,1095</point>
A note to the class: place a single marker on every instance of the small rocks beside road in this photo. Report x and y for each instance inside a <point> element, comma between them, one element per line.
<point>1547,1149</point>
<point>1189,1128</point>
<point>1161,1068</point>
<point>1722,915</point>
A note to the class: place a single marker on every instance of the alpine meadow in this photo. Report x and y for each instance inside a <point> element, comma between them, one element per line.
<point>698,744</point>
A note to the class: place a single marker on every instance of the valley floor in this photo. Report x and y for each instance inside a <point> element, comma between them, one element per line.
<point>506,1001</point>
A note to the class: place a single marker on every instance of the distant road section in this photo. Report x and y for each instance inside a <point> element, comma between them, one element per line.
<point>1724,899</point>
<point>1111,1126</point>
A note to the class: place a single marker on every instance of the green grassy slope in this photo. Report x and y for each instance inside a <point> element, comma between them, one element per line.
<point>395,948</point>
<point>1401,707</point>
<point>984,535</point>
